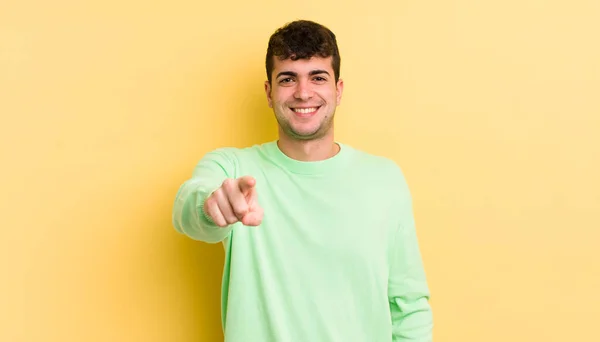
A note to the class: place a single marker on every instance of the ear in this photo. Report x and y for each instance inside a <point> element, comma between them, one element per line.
<point>268,93</point>
<point>339,90</point>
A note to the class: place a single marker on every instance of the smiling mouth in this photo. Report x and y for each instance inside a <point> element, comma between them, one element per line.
<point>305,111</point>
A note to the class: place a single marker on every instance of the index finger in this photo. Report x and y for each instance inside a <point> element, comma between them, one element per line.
<point>246,183</point>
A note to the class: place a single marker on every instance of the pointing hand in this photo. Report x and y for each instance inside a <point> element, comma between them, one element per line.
<point>235,201</point>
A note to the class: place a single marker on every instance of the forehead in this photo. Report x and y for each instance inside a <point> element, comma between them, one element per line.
<point>303,66</point>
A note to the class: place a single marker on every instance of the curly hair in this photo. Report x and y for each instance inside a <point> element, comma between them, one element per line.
<point>303,39</point>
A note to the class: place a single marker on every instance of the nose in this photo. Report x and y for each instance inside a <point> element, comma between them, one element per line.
<point>303,91</point>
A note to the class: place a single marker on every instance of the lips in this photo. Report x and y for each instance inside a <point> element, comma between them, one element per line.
<point>305,111</point>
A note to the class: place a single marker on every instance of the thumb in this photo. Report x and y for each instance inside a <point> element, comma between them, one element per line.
<point>246,183</point>
<point>254,217</point>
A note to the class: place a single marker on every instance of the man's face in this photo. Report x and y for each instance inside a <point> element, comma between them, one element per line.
<point>304,96</point>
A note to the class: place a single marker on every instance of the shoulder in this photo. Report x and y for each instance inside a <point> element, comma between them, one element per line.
<point>380,168</point>
<point>230,158</point>
<point>234,154</point>
<point>376,163</point>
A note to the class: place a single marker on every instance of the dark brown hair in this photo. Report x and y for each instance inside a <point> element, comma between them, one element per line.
<point>303,39</point>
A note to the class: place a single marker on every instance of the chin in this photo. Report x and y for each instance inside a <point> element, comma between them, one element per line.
<point>306,134</point>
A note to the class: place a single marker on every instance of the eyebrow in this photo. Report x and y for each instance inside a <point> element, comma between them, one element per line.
<point>294,74</point>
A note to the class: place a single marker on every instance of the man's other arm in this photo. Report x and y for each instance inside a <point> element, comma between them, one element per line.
<point>408,291</point>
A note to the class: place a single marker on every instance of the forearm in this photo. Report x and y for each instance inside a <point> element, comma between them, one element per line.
<point>409,293</point>
<point>188,214</point>
<point>412,318</point>
<point>408,290</point>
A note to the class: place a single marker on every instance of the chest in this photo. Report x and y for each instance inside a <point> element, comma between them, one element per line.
<point>335,222</point>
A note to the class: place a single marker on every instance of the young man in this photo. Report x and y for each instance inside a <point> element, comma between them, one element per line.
<point>320,241</point>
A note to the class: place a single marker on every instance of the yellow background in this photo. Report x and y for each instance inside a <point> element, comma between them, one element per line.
<point>491,107</point>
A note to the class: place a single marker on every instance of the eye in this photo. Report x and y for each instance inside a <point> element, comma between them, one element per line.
<point>319,79</point>
<point>286,80</point>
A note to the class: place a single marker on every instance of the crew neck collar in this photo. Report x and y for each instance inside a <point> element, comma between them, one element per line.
<point>330,164</point>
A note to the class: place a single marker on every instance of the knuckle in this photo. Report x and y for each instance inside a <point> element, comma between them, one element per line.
<point>214,196</point>
<point>227,184</point>
<point>240,210</point>
<point>210,203</point>
<point>212,210</point>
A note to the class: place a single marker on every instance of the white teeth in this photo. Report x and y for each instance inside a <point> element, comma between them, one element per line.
<point>305,110</point>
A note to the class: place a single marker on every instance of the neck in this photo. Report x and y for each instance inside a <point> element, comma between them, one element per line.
<point>308,150</point>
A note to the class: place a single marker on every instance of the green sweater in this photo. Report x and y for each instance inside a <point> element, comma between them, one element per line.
<point>336,258</point>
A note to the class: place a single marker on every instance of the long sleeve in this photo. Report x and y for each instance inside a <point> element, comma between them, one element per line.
<point>408,291</point>
<point>188,214</point>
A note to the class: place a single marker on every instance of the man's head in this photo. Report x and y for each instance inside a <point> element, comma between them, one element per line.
<point>303,39</point>
<point>303,85</point>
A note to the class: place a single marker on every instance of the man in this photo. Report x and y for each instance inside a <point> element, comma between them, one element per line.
<point>319,237</point>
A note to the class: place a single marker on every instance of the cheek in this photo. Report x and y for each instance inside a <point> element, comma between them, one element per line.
<point>281,99</point>
<point>330,93</point>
